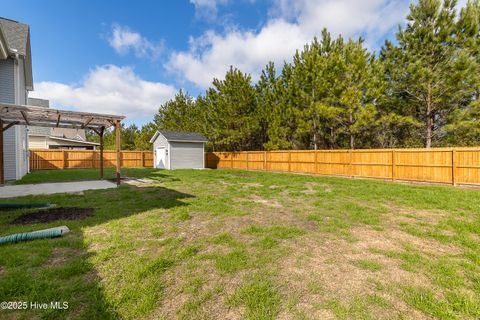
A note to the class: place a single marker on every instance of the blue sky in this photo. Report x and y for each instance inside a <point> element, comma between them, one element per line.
<point>129,57</point>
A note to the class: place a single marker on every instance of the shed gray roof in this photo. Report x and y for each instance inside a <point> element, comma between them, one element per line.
<point>179,136</point>
<point>16,34</point>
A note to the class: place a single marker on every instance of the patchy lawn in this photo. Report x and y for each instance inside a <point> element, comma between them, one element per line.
<point>217,244</point>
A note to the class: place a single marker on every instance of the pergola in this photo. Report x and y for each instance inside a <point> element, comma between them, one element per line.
<point>13,114</point>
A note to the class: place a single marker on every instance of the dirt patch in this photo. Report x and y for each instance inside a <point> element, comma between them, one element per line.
<point>252,185</point>
<point>268,202</point>
<point>50,215</point>
<point>139,182</point>
<point>330,264</point>
<point>59,256</point>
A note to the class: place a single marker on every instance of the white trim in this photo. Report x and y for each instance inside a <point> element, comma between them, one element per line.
<point>169,155</point>
<point>64,139</point>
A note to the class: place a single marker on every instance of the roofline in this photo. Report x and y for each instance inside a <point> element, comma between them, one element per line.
<point>155,136</point>
<point>4,51</point>
<point>157,133</point>
<point>64,139</point>
<point>202,141</point>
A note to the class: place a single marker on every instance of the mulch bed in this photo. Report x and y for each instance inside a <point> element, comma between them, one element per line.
<point>54,214</point>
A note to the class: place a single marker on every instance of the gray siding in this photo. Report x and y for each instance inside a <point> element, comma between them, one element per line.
<point>160,142</point>
<point>186,155</point>
<point>12,90</point>
<point>7,81</point>
<point>7,95</point>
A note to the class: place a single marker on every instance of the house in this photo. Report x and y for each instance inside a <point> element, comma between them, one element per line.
<point>178,150</point>
<point>15,82</point>
<point>56,138</point>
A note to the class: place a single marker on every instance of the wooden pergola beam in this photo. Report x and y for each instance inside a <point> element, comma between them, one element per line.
<point>9,125</point>
<point>14,114</point>
<point>24,115</point>
<point>87,123</point>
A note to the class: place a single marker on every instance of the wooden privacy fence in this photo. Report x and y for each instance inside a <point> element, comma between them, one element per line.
<point>438,165</point>
<point>69,159</point>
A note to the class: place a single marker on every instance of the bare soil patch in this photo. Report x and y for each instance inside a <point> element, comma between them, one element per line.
<point>268,202</point>
<point>54,214</point>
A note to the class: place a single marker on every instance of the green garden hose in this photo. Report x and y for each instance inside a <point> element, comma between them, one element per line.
<point>24,205</point>
<point>40,234</point>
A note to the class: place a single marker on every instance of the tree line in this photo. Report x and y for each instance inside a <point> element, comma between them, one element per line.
<point>421,90</point>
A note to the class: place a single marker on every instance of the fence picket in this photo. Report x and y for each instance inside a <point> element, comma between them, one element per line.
<point>439,165</point>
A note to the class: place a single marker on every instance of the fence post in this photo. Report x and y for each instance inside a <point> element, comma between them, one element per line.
<point>265,160</point>
<point>142,156</point>
<point>64,159</point>
<point>231,160</point>
<point>247,159</point>
<point>94,155</point>
<point>350,166</point>
<point>315,154</point>
<point>289,160</point>
<point>393,164</point>
<point>454,166</point>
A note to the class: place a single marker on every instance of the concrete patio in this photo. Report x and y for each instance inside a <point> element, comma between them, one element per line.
<point>51,188</point>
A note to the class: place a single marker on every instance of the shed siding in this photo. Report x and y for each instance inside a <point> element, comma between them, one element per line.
<point>185,155</point>
<point>7,95</point>
<point>160,142</point>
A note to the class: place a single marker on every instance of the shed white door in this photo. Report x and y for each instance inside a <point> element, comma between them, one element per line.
<point>160,158</point>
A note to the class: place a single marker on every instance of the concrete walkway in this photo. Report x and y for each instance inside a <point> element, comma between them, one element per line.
<point>51,188</point>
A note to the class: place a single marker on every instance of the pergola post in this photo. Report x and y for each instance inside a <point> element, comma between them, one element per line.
<point>117,148</point>
<point>102,130</point>
<point>2,168</point>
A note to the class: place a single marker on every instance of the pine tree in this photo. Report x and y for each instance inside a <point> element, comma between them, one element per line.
<point>232,104</point>
<point>430,69</point>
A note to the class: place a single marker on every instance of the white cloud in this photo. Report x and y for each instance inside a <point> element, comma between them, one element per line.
<point>124,40</point>
<point>108,89</point>
<point>207,8</point>
<point>291,25</point>
<point>212,54</point>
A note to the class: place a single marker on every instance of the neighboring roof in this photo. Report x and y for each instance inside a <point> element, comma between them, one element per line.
<point>179,136</point>
<point>76,134</point>
<point>36,102</point>
<point>16,37</point>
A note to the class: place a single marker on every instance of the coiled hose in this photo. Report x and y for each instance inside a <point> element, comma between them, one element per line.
<point>24,205</point>
<point>40,234</point>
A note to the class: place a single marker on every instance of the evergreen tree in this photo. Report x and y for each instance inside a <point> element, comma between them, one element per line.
<point>430,69</point>
<point>232,106</point>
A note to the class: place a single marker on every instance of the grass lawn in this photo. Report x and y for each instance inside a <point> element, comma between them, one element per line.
<point>218,244</point>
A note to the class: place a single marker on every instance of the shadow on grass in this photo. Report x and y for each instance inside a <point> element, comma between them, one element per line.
<point>61,269</point>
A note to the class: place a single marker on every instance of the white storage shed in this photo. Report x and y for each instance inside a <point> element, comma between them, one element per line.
<point>178,150</point>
